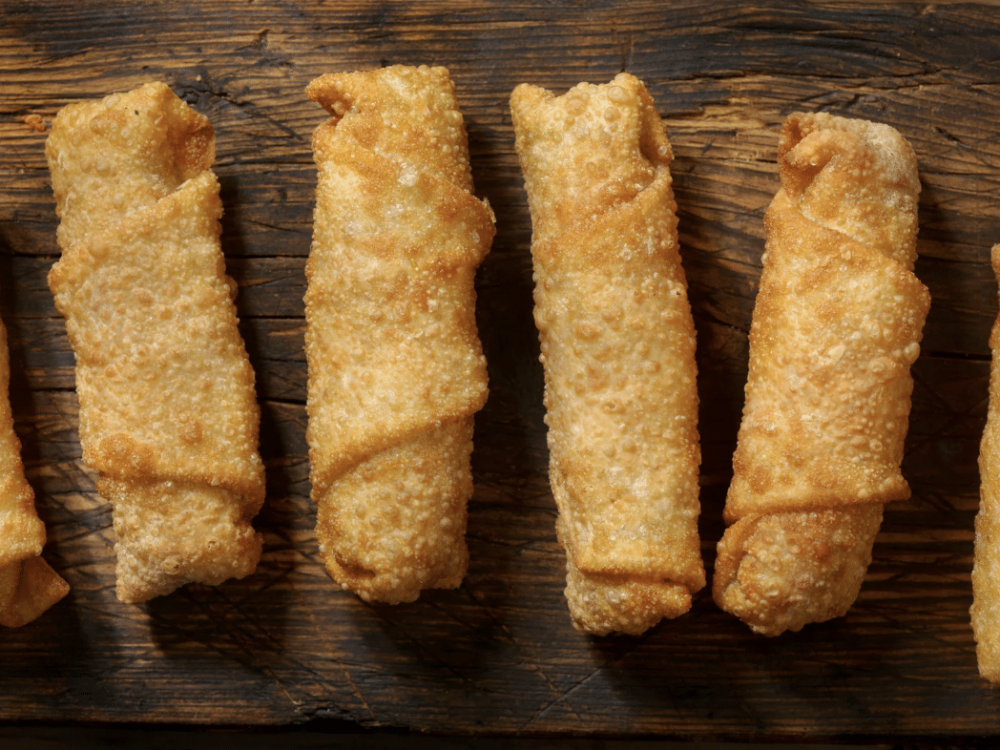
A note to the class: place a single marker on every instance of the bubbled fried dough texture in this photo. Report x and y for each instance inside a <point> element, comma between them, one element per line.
<point>120,155</point>
<point>836,326</point>
<point>985,609</point>
<point>618,344</point>
<point>28,585</point>
<point>395,524</point>
<point>781,571</point>
<point>396,370</point>
<point>168,414</point>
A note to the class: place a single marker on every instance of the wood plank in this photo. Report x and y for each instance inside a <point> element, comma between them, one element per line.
<point>499,656</point>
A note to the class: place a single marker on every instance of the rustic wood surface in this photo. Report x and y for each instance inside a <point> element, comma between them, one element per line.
<point>499,655</point>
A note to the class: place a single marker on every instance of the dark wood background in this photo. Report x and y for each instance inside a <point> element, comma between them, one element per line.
<point>285,647</point>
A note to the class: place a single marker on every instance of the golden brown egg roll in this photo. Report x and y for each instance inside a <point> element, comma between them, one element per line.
<point>396,369</point>
<point>28,584</point>
<point>618,345</point>
<point>985,609</point>
<point>836,326</point>
<point>168,413</point>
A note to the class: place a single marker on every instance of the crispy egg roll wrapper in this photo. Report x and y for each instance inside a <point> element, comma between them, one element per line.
<point>618,345</point>
<point>836,326</point>
<point>168,413</point>
<point>28,584</point>
<point>396,369</point>
<point>985,609</point>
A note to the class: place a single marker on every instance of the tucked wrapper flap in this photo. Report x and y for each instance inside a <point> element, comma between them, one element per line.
<point>624,237</point>
<point>836,328</point>
<point>578,170</point>
<point>168,391</point>
<point>855,177</point>
<point>123,154</point>
<point>421,486</point>
<point>172,532</point>
<point>405,114</point>
<point>815,560</point>
<point>394,344</point>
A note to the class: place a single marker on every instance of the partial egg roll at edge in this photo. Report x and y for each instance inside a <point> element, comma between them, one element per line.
<point>985,610</point>
<point>28,584</point>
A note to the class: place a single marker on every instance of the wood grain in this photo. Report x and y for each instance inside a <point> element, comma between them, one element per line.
<point>499,656</point>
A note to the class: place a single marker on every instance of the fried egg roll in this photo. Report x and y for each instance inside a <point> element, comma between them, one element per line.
<point>28,584</point>
<point>985,609</point>
<point>837,324</point>
<point>396,369</point>
<point>168,413</point>
<point>618,346</point>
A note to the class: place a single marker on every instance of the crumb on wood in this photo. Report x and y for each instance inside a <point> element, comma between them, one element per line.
<point>35,122</point>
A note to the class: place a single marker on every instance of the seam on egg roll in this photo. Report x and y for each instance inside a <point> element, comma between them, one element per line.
<point>836,326</point>
<point>168,412</point>
<point>396,369</point>
<point>618,343</point>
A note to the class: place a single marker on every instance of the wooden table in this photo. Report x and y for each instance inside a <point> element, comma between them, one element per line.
<point>499,655</point>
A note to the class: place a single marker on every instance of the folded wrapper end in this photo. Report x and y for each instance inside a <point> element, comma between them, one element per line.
<point>782,571</point>
<point>601,604</point>
<point>27,589</point>
<point>395,524</point>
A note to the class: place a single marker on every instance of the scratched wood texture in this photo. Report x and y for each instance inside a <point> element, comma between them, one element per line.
<point>285,647</point>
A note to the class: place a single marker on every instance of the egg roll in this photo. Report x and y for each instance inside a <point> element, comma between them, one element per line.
<point>836,325</point>
<point>28,584</point>
<point>396,368</point>
<point>985,610</point>
<point>168,413</point>
<point>618,349</point>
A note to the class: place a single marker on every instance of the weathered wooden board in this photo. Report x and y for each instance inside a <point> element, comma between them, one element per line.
<point>499,655</point>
